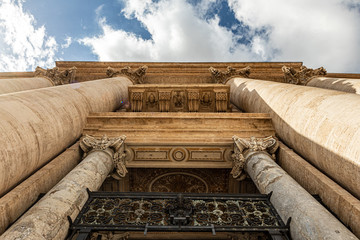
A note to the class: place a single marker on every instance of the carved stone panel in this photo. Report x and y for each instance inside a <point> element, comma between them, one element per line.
<point>179,180</point>
<point>179,156</point>
<point>180,98</point>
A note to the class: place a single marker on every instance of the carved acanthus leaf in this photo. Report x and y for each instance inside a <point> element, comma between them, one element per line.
<point>302,76</point>
<point>136,76</point>
<point>223,76</point>
<point>56,76</point>
<point>89,143</point>
<point>242,146</point>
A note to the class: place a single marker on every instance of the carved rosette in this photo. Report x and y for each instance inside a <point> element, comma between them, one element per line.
<point>89,144</point>
<point>136,76</point>
<point>244,148</point>
<point>224,76</point>
<point>56,76</point>
<point>303,76</point>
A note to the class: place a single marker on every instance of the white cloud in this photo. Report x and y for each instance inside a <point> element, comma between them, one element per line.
<point>177,31</point>
<point>22,45</point>
<point>319,33</point>
<point>68,41</point>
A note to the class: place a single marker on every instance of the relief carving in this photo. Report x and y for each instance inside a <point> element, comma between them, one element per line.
<point>206,99</point>
<point>89,144</point>
<point>223,76</point>
<point>56,76</point>
<point>151,99</point>
<point>221,101</point>
<point>178,99</point>
<point>136,101</point>
<point>179,180</point>
<point>193,101</point>
<point>244,148</point>
<point>136,76</point>
<point>164,101</point>
<point>303,76</point>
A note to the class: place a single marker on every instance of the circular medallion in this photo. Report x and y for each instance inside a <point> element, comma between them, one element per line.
<point>179,154</point>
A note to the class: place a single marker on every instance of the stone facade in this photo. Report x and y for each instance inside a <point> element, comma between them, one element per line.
<point>179,120</point>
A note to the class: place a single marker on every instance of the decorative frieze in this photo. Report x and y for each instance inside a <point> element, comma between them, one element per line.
<point>56,76</point>
<point>136,76</point>
<point>89,144</point>
<point>223,76</point>
<point>244,148</point>
<point>179,98</point>
<point>302,76</point>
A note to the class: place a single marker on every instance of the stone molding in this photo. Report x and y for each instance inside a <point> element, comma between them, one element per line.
<point>89,144</point>
<point>224,76</point>
<point>303,76</point>
<point>136,76</point>
<point>244,149</point>
<point>56,76</point>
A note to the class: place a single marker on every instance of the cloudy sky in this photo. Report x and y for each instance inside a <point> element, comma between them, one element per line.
<point>316,32</point>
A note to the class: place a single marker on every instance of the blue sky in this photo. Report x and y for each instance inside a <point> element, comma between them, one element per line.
<point>319,33</point>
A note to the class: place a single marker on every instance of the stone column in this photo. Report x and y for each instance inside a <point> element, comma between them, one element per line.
<point>18,200</point>
<point>322,125</point>
<point>21,84</point>
<point>340,84</point>
<point>37,125</point>
<point>309,219</point>
<point>48,218</point>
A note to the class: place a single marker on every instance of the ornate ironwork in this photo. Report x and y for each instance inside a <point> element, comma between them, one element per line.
<point>115,211</point>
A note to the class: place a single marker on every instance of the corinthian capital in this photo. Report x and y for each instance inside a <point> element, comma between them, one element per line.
<point>136,76</point>
<point>56,76</point>
<point>303,76</point>
<point>89,143</point>
<point>223,76</point>
<point>244,148</point>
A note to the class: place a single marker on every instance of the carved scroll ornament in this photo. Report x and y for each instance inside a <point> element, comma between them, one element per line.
<point>136,76</point>
<point>243,149</point>
<point>224,76</point>
<point>303,76</point>
<point>89,143</point>
<point>56,76</point>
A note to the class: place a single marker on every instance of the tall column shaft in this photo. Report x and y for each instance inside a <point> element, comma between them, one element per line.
<point>309,219</point>
<point>342,203</point>
<point>322,125</point>
<point>37,125</point>
<point>48,218</point>
<point>340,84</point>
<point>21,84</point>
<point>18,200</point>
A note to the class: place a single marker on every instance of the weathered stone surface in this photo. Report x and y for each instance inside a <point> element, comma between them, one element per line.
<point>37,125</point>
<point>342,203</point>
<point>323,126</point>
<point>17,201</point>
<point>173,72</point>
<point>340,84</point>
<point>48,218</point>
<point>309,219</point>
<point>9,85</point>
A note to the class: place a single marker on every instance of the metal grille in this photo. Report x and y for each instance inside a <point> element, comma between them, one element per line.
<point>130,211</point>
